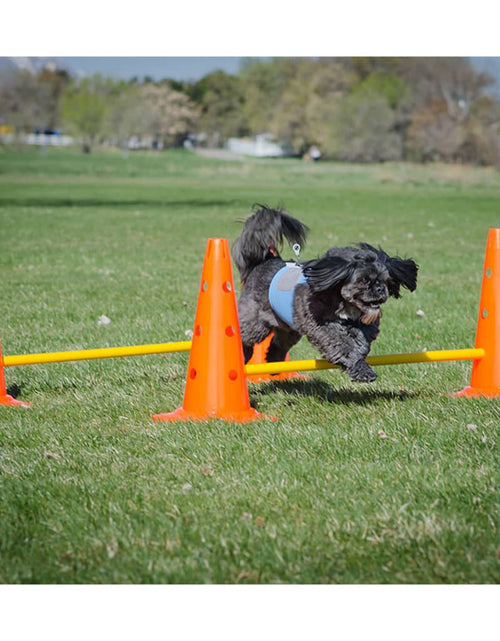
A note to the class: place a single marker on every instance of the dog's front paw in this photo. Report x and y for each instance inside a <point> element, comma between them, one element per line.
<point>361,372</point>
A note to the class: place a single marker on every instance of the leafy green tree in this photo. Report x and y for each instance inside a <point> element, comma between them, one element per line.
<point>289,119</point>
<point>85,105</point>
<point>221,98</point>
<point>389,86</point>
<point>128,116</point>
<point>263,84</point>
<point>365,129</point>
<point>363,67</point>
<point>328,82</point>
<point>294,99</point>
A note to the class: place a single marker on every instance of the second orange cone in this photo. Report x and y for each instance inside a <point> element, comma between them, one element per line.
<point>216,385</point>
<point>259,356</point>
<point>485,378</point>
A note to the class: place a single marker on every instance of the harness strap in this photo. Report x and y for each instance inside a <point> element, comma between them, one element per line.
<point>282,291</point>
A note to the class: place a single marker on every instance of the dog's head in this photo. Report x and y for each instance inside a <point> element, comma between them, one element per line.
<point>363,277</point>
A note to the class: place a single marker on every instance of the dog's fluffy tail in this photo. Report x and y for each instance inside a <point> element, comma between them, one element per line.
<point>262,237</point>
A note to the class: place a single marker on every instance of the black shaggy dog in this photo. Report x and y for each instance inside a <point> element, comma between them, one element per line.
<point>334,300</point>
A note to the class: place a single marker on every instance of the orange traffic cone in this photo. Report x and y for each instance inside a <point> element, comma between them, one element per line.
<point>5,399</point>
<point>216,385</point>
<point>259,356</point>
<point>485,379</point>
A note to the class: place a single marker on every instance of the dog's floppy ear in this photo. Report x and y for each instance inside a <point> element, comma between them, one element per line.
<point>326,272</point>
<point>403,271</point>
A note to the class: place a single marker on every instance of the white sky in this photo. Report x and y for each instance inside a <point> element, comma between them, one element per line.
<point>261,28</point>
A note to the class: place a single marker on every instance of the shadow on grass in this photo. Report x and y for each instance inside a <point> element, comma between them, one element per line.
<point>323,390</point>
<point>104,202</point>
<point>13,390</point>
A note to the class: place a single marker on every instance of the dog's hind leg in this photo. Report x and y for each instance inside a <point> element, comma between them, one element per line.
<point>281,343</point>
<point>251,335</point>
<point>247,352</point>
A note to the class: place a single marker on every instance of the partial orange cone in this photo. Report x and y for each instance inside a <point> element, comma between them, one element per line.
<point>259,357</point>
<point>485,378</point>
<point>216,385</point>
<point>6,399</point>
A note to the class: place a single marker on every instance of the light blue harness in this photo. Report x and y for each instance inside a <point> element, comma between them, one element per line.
<point>282,290</point>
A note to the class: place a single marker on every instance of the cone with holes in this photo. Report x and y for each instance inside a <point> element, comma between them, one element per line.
<point>216,385</point>
<point>6,399</point>
<point>485,378</point>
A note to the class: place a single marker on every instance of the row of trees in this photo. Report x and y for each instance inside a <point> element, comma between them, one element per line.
<point>354,109</point>
<point>96,109</point>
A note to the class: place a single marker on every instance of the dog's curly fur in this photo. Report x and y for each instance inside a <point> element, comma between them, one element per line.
<point>338,305</point>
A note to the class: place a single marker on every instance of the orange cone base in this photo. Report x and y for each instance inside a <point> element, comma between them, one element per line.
<point>476,392</point>
<point>180,414</point>
<point>284,376</point>
<point>5,399</point>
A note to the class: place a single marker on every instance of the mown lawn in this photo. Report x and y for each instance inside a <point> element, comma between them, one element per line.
<point>393,482</point>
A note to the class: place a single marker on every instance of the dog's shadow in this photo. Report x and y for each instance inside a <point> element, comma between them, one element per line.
<point>309,387</point>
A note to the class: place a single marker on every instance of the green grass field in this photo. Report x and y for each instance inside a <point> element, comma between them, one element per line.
<point>393,482</point>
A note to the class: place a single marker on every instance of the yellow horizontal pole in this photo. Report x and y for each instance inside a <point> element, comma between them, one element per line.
<point>389,359</point>
<point>90,354</point>
<point>262,368</point>
<point>428,357</point>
